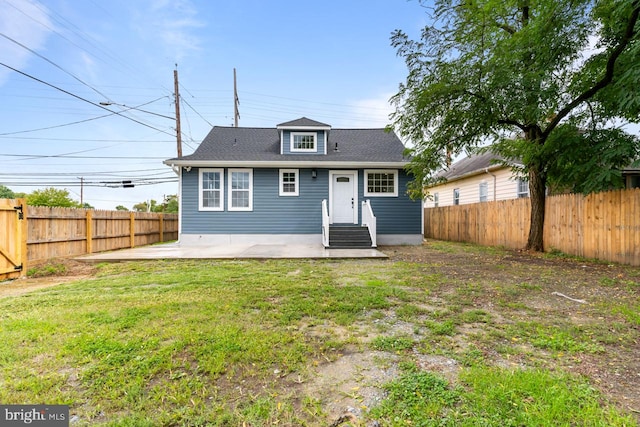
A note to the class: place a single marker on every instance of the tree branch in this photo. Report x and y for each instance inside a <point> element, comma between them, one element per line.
<point>507,28</point>
<point>516,123</point>
<point>608,76</point>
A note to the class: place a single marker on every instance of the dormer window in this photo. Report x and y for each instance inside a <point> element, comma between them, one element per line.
<point>303,142</point>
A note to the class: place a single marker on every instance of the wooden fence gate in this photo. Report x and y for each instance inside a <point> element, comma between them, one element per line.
<point>13,238</point>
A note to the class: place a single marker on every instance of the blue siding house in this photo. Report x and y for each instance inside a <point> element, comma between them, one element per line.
<point>300,182</point>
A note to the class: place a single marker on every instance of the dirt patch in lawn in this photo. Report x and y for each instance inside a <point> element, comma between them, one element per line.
<point>53,273</point>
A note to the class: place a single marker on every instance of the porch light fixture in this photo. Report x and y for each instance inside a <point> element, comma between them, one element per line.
<point>314,173</point>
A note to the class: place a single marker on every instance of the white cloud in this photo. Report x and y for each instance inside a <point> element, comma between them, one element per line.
<point>27,23</point>
<point>173,23</point>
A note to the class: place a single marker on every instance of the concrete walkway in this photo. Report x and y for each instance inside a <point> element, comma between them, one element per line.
<point>177,251</point>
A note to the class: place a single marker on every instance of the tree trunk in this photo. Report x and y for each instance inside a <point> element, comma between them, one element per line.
<point>537,188</point>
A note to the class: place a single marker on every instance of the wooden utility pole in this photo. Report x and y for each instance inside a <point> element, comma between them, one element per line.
<point>236,100</point>
<point>178,131</point>
<point>81,190</point>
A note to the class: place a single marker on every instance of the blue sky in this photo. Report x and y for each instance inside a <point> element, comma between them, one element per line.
<point>330,61</point>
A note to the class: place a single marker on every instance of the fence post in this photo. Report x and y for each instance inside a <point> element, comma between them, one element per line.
<point>161,226</point>
<point>23,238</point>
<point>132,229</point>
<point>89,231</point>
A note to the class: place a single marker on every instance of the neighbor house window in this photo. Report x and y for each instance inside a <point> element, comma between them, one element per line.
<point>484,191</point>
<point>436,200</point>
<point>381,183</point>
<point>303,141</point>
<point>456,196</point>
<point>211,192</point>
<point>289,182</point>
<point>240,189</point>
<point>523,188</point>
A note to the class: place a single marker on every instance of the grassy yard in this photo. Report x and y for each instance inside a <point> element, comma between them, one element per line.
<point>440,335</point>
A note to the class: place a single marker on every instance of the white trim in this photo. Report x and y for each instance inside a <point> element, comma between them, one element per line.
<point>307,128</point>
<point>291,163</point>
<point>281,173</point>
<point>230,208</point>
<point>292,136</point>
<point>355,192</point>
<point>386,171</point>
<point>200,189</point>
<point>180,208</point>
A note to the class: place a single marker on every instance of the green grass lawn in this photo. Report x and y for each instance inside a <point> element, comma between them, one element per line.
<point>222,343</point>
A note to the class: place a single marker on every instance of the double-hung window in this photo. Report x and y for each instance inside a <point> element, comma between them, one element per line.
<point>240,189</point>
<point>381,183</point>
<point>436,200</point>
<point>303,142</point>
<point>484,191</point>
<point>211,195</point>
<point>289,182</point>
<point>523,188</point>
<point>456,196</point>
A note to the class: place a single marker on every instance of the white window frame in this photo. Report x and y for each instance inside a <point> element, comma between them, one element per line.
<point>393,172</point>
<point>230,206</point>
<point>296,173</point>
<point>456,196</point>
<point>436,199</point>
<point>521,194</point>
<point>483,186</point>
<point>303,150</point>
<point>201,190</point>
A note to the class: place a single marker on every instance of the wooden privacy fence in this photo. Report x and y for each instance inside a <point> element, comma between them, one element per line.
<point>52,232</point>
<point>605,225</point>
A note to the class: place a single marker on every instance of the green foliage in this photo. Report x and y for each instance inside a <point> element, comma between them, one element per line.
<point>494,397</point>
<point>52,197</point>
<point>514,73</point>
<point>121,208</point>
<point>169,205</point>
<point>6,193</point>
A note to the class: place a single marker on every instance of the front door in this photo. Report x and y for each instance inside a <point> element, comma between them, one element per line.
<point>344,202</point>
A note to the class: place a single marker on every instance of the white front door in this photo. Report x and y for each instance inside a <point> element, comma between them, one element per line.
<point>344,203</point>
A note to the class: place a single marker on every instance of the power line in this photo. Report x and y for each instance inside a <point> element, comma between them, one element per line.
<point>52,63</point>
<point>81,98</point>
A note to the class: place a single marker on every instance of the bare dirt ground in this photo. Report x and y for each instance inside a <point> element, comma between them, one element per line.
<point>554,289</point>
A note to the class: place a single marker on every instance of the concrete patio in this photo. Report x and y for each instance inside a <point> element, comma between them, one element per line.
<point>264,251</point>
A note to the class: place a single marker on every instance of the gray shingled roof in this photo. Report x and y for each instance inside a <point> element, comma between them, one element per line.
<point>263,145</point>
<point>303,122</point>
<point>471,165</point>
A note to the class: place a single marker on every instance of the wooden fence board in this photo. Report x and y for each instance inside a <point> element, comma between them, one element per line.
<point>66,232</point>
<point>603,225</point>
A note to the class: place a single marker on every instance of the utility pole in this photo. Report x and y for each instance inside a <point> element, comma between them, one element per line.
<point>178,131</point>
<point>81,190</point>
<point>236,100</point>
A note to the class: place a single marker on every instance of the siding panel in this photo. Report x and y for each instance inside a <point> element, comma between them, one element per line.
<point>274,214</point>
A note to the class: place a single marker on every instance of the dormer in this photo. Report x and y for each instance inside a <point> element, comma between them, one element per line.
<point>303,136</point>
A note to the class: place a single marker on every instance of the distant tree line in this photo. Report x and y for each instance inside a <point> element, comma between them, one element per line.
<point>54,197</point>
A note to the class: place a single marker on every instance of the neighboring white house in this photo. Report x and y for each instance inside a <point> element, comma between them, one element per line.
<point>474,179</point>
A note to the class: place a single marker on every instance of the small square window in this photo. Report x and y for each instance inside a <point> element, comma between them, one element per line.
<point>289,182</point>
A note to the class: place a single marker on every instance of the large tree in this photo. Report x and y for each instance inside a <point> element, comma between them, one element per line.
<point>546,80</point>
